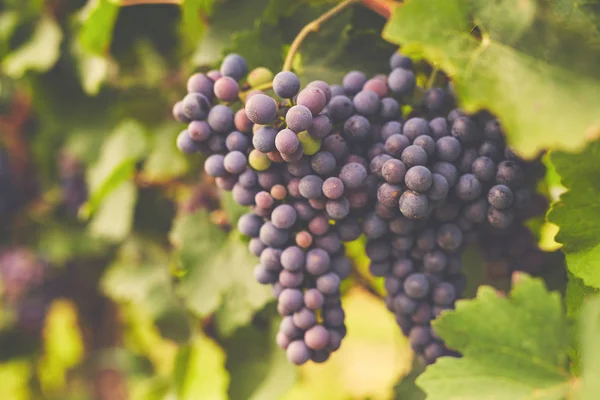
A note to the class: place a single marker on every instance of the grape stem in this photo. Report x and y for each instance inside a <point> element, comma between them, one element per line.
<point>313,26</point>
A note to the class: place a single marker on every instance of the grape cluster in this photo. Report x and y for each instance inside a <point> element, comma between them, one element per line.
<point>323,165</point>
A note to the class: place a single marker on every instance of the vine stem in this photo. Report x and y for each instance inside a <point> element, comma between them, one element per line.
<point>313,26</point>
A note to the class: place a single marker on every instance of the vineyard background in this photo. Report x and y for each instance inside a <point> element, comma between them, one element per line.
<point>146,291</point>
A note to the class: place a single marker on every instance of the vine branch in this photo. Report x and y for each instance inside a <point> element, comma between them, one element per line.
<point>313,26</point>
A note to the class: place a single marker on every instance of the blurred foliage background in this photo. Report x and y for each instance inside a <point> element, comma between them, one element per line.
<point>131,283</point>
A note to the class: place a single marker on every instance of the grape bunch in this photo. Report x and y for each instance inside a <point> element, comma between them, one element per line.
<point>325,164</point>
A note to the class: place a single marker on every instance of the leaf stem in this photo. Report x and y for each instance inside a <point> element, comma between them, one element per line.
<point>313,26</point>
<point>127,3</point>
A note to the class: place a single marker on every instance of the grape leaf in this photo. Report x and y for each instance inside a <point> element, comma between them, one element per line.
<point>219,274</point>
<point>98,19</point>
<point>121,150</point>
<point>38,54</point>
<point>114,218</point>
<point>193,23</point>
<point>165,160</point>
<point>513,348</point>
<point>534,62</point>
<point>200,371</point>
<point>577,211</point>
<point>590,330</point>
<point>259,369</point>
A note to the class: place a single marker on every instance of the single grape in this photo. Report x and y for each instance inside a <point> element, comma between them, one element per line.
<point>373,226</point>
<point>353,175</point>
<point>366,102</point>
<point>500,197</point>
<point>414,205</point>
<point>235,66</point>
<point>336,145</point>
<point>258,161</point>
<point>305,318</point>
<point>338,209</point>
<point>500,219</point>
<point>509,173</point>
<point>215,165</point>
<point>256,247</point>
<point>313,299</point>
<point>340,108</point>
<point>418,179</point>
<point>349,229</point>
<point>323,163</point>
<point>320,127</point>
<point>261,109</point>
<point>415,127</point>
<point>242,122</point>
<point>468,188</point>
<point>271,259</point>
<point>426,143</point>
<point>319,225</point>
<point>401,81</point>
<point>273,236</point>
<point>328,283</point>
<point>290,301</point>
<point>220,119</point>
<point>357,128</point>
<point>396,144</point>
<point>465,130</point>
<point>282,340</point>
<point>393,171</point>
<point>434,261</point>
<point>235,162</point>
<point>435,100</point>
<point>402,268</point>
<point>389,194</point>
<point>186,144</point>
<point>439,128</point>
<point>317,261</point>
<point>263,276</point>
<point>200,83</point>
<point>284,216</point>
<point>483,168</point>
<point>313,98</point>
<point>449,237</point>
<point>333,188</point>
<point>264,139</point>
<point>287,141</point>
<point>311,187</point>
<point>419,336</point>
<point>416,286</point>
<point>447,170</point>
<point>493,131</point>
<point>444,294</point>
<point>286,84</point>
<point>317,337</point>
<point>227,89</point>
<point>398,60</point>
<point>448,149</point>
<point>237,141</point>
<point>390,109</point>
<point>297,352</point>
<point>414,155</point>
<point>298,118</point>
<point>353,82</point>
<point>439,188</point>
<point>492,150</point>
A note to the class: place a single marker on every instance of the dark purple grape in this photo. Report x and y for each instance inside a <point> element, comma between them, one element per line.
<point>444,294</point>
<point>215,165</point>
<point>388,195</point>
<point>323,86</point>
<point>353,82</point>
<point>264,139</point>
<point>500,197</point>
<point>199,131</point>
<point>273,236</point>
<point>509,173</point>
<point>366,102</point>
<point>287,141</point>
<point>414,205</point>
<point>416,286</point>
<point>500,219</point>
<point>298,118</point>
<point>484,169</point>
<point>200,83</point>
<point>418,179</point>
<point>334,317</point>
<point>465,130</point>
<point>317,337</point>
<point>297,352</point>
<point>449,237</point>
<point>435,100</point>
<point>357,128</point>
<point>314,299</point>
<point>393,171</point>
<point>261,109</point>
<point>341,266</point>
<point>439,128</point>
<point>447,170</point>
<point>250,224</point>
<point>338,209</point>
<point>235,162</point>
<point>185,144</point>
<point>313,98</point>
<point>264,276</point>
<point>333,188</point>
<point>241,121</point>
<point>389,110</point>
<point>237,141</point>
<point>374,227</point>
<point>340,108</point>
<point>235,66</point>
<point>320,127</point>
<point>304,318</point>
<point>353,175</point>
<point>311,187</point>
<point>468,188</point>
<point>220,119</point>
<point>415,127</point>
<point>284,216</point>
<point>448,148</point>
<point>401,81</point>
<point>317,261</point>
<point>414,155</point>
<point>286,84</point>
<point>195,106</point>
<point>323,163</point>
<point>400,61</point>
<point>289,301</point>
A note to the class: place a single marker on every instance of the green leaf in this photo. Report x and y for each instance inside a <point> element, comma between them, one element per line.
<point>114,218</point>
<point>165,161</point>
<point>125,146</point>
<point>38,54</point>
<point>98,18</point>
<point>534,59</point>
<point>577,212</point>
<point>259,369</point>
<point>93,69</point>
<point>219,274</point>
<point>200,371</point>
<point>407,389</point>
<point>63,346</point>
<point>590,331</point>
<point>61,244</point>
<point>513,348</point>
